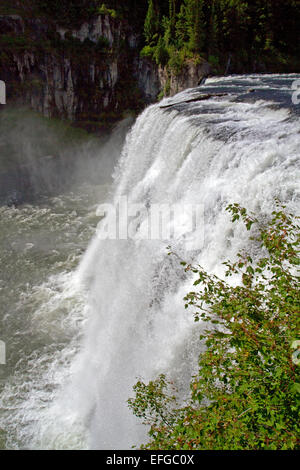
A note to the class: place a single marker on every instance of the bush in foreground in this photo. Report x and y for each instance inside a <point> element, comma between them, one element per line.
<point>246,392</point>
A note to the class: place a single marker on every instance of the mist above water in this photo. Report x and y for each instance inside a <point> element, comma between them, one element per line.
<point>40,156</point>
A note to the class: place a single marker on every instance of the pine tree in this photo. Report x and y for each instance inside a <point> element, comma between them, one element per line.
<point>151,26</point>
<point>172,16</point>
<point>196,23</point>
<point>182,29</point>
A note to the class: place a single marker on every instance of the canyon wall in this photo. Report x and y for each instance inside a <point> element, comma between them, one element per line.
<point>90,75</point>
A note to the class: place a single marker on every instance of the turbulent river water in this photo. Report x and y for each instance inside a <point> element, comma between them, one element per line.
<point>83,317</point>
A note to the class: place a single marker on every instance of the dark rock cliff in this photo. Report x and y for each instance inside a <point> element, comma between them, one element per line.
<point>90,75</point>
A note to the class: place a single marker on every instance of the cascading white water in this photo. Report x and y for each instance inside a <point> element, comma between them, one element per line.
<point>241,147</point>
<point>213,153</point>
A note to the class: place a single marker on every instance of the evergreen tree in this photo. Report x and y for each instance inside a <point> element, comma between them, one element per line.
<point>251,32</point>
<point>172,16</point>
<point>151,26</point>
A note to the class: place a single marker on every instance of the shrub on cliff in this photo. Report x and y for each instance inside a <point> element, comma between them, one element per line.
<point>246,392</point>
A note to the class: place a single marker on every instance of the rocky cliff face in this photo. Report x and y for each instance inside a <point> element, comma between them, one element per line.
<point>80,75</point>
<point>90,75</point>
<point>154,81</point>
<point>190,76</point>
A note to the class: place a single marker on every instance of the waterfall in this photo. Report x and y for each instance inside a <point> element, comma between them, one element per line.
<point>210,153</point>
<point>94,328</point>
